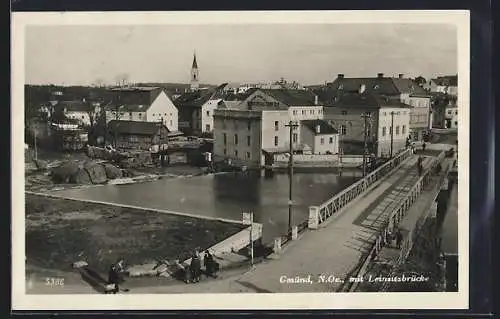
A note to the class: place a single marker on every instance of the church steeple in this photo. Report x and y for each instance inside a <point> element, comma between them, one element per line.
<point>194,74</point>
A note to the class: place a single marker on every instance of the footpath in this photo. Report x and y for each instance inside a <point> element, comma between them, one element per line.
<point>329,253</point>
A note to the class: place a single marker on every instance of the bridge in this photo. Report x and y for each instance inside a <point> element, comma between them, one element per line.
<point>346,233</point>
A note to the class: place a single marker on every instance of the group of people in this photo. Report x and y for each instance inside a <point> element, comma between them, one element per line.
<point>194,271</point>
<point>398,236</point>
<point>115,277</point>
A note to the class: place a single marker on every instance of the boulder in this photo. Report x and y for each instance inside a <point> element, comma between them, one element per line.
<point>112,171</point>
<point>64,172</point>
<point>81,177</point>
<point>96,172</point>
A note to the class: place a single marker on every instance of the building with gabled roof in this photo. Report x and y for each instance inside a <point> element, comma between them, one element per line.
<point>138,135</point>
<point>399,88</point>
<point>320,135</point>
<point>146,104</point>
<point>444,84</point>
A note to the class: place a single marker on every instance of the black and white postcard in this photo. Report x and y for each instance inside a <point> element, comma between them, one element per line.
<point>240,160</point>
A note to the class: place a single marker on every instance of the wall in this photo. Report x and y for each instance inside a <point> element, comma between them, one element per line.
<point>307,137</point>
<point>352,120</point>
<point>326,146</point>
<point>451,116</point>
<point>307,112</point>
<point>247,126</point>
<point>164,107</point>
<point>207,115</point>
<point>83,117</point>
<point>269,132</point>
<point>401,121</point>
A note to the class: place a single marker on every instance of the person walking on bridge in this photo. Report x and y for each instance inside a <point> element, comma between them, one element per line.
<point>420,165</point>
<point>399,238</point>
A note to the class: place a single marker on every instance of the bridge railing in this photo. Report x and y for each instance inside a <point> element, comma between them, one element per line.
<point>319,214</point>
<point>394,219</point>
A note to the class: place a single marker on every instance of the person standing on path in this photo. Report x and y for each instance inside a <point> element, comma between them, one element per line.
<point>399,239</point>
<point>423,147</point>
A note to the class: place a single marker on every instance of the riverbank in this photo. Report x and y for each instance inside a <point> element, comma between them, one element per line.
<point>60,232</point>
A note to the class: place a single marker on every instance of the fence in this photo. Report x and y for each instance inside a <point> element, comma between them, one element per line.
<point>395,217</point>
<point>319,214</point>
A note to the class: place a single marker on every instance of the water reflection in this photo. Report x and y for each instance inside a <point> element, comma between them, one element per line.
<point>228,195</point>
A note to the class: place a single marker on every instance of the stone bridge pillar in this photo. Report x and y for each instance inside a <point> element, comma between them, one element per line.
<point>295,233</point>
<point>313,217</point>
<point>277,245</point>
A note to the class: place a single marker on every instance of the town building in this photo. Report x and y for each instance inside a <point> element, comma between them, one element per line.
<point>451,115</point>
<point>145,104</point>
<point>85,112</point>
<point>443,84</point>
<point>68,136</point>
<point>252,130</point>
<point>137,135</point>
<point>397,88</point>
<point>320,135</point>
<point>386,118</point>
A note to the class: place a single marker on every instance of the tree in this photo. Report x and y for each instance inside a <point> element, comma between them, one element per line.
<point>420,80</point>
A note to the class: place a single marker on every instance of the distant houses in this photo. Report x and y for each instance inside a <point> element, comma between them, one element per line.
<point>144,104</point>
<point>139,135</point>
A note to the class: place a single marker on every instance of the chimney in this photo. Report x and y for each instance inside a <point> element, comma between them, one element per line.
<point>362,89</point>
<point>318,129</point>
<point>340,76</point>
<point>380,75</point>
<point>401,75</point>
<point>315,100</point>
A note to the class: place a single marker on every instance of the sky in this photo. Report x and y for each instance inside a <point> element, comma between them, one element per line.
<point>308,54</point>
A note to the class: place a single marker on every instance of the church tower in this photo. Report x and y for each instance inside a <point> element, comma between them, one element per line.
<point>195,85</point>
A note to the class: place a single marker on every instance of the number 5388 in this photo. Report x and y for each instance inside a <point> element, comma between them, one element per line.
<point>51,281</point>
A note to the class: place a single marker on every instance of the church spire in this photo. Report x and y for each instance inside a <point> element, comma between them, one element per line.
<point>195,65</point>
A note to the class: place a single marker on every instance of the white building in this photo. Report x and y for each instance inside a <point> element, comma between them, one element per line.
<point>451,116</point>
<point>320,136</point>
<point>82,111</point>
<point>147,104</point>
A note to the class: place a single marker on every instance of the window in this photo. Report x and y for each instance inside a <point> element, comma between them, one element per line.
<point>456,123</point>
<point>383,131</point>
<point>330,140</point>
<point>207,127</point>
<point>322,141</point>
<point>390,129</point>
<point>449,112</point>
<point>303,112</point>
<point>404,130</point>
<point>456,112</point>
<point>294,112</point>
<point>249,140</point>
<point>275,141</point>
<point>224,137</point>
<point>276,125</point>
<point>170,122</point>
<point>312,112</point>
<point>83,117</point>
<point>397,130</point>
<point>140,115</point>
<point>248,155</point>
<point>208,113</point>
<point>294,137</point>
<point>235,139</point>
<point>343,130</point>
<point>236,153</point>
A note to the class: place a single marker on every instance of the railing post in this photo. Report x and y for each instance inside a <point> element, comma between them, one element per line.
<point>277,245</point>
<point>313,217</point>
<point>295,233</point>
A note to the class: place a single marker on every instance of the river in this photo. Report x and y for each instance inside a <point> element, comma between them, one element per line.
<point>227,195</point>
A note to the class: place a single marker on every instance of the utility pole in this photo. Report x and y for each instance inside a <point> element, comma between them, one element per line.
<point>392,131</point>
<point>36,151</point>
<point>365,116</point>
<point>290,125</point>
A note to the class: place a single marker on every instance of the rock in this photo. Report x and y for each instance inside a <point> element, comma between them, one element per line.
<point>81,177</point>
<point>96,172</point>
<point>112,171</point>
<point>41,164</point>
<point>64,172</point>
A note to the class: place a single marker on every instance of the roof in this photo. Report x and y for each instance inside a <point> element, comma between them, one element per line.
<point>449,80</point>
<point>134,99</point>
<point>364,100</point>
<point>74,106</point>
<point>324,127</point>
<point>291,97</point>
<point>194,99</point>
<point>383,86</point>
<point>134,127</point>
